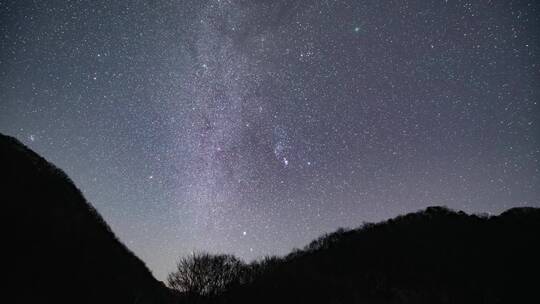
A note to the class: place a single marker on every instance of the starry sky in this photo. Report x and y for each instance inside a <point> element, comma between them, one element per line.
<point>252,127</point>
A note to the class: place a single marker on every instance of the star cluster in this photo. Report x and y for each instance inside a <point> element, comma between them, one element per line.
<point>251,127</point>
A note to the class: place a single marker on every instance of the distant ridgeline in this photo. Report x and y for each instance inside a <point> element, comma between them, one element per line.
<point>59,250</point>
<point>433,256</point>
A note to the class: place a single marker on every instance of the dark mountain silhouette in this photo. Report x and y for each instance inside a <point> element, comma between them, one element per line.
<point>59,249</point>
<point>433,256</point>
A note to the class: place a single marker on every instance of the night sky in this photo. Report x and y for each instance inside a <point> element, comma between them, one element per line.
<point>252,127</point>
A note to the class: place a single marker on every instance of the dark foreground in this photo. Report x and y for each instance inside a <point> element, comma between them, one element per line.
<point>59,250</point>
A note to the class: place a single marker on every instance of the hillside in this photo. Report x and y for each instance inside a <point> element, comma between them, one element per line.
<point>59,249</point>
<point>432,256</point>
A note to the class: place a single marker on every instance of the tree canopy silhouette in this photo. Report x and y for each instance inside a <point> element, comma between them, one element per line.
<point>205,274</point>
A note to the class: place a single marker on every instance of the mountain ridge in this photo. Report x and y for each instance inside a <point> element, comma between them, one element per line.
<point>62,249</point>
<point>435,255</point>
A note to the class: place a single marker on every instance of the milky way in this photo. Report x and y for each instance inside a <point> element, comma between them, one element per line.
<point>252,127</point>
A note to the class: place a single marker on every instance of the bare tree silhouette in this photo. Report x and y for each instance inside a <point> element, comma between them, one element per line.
<point>205,274</point>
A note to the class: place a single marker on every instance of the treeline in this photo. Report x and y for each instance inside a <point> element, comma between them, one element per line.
<point>433,256</point>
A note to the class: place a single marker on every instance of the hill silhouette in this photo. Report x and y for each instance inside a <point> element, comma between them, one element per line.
<point>433,256</point>
<point>59,248</point>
